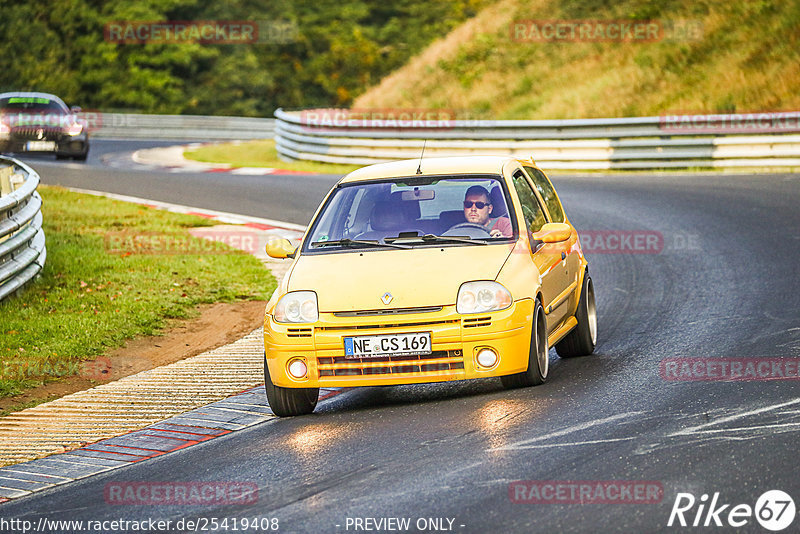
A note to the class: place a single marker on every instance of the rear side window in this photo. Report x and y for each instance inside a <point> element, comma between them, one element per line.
<point>545,189</point>
<point>531,210</point>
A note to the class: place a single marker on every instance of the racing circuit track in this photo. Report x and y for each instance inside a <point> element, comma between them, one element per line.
<point>724,285</point>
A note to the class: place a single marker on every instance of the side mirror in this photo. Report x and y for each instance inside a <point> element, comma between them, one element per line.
<point>76,109</point>
<point>279,247</point>
<point>553,233</point>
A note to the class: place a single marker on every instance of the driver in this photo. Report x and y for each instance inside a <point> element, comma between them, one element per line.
<point>478,208</point>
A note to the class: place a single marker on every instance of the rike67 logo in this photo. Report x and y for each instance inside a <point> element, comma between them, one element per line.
<point>774,510</point>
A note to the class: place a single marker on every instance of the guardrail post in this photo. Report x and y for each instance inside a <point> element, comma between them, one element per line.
<point>5,181</point>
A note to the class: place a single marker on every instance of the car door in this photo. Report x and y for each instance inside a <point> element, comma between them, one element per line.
<point>571,264</point>
<point>545,257</point>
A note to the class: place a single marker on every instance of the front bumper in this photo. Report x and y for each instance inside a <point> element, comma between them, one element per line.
<point>455,341</point>
<point>63,143</point>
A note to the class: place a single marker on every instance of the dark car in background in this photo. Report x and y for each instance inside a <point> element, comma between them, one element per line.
<point>41,123</point>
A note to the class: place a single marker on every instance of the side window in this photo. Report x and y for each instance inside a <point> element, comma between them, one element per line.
<point>545,189</point>
<point>534,217</point>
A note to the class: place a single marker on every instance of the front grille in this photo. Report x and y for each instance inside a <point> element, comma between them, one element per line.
<point>473,322</point>
<point>385,325</point>
<point>31,133</point>
<point>395,311</point>
<point>437,361</point>
<point>298,332</point>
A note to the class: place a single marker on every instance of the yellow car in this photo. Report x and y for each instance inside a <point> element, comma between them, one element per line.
<point>426,271</point>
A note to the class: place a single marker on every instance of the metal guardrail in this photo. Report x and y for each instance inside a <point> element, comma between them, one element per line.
<point>22,243</point>
<point>580,144</point>
<point>176,127</point>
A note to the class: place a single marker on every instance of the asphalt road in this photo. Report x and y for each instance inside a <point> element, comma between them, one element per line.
<point>723,286</point>
<point>291,198</point>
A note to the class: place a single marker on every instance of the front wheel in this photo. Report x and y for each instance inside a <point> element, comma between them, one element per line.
<point>582,339</point>
<point>538,355</point>
<point>286,402</point>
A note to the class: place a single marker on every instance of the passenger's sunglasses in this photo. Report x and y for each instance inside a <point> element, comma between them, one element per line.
<point>480,205</point>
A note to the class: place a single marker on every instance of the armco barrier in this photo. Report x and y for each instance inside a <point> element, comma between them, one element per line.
<point>22,245</point>
<point>176,127</point>
<point>625,143</point>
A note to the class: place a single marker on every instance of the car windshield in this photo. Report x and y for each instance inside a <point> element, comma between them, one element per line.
<point>31,104</point>
<point>414,211</point>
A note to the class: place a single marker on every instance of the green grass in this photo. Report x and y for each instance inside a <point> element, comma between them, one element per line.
<point>260,153</point>
<point>89,300</point>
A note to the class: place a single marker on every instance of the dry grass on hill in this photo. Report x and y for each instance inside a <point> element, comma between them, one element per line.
<point>746,58</point>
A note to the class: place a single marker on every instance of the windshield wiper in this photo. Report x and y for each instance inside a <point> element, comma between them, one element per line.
<point>351,242</point>
<point>456,239</point>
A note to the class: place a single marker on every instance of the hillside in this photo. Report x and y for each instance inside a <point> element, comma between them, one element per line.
<point>736,56</point>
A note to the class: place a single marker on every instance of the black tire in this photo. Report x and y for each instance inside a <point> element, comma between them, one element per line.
<point>538,353</point>
<point>287,402</point>
<point>583,338</point>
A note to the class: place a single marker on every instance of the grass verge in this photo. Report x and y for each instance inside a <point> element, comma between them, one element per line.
<point>90,299</point>
<point>260,153</point>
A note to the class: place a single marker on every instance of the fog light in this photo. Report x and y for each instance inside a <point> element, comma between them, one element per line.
<point>298,369</point>
<point>487,358</point>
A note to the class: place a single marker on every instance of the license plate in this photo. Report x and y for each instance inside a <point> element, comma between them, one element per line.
<point>40,146</point>
<point>387,345</point>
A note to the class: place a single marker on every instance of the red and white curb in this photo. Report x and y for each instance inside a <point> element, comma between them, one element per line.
<point>171,159</point>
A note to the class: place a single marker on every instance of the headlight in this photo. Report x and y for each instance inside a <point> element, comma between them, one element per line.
<point>75,129</point>
<point>297,307</point>
<point>479,297</point>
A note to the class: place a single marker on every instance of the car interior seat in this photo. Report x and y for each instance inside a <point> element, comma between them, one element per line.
<point>388,218</point>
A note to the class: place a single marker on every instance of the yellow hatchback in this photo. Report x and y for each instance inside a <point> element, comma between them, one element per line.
<point>426,271</point>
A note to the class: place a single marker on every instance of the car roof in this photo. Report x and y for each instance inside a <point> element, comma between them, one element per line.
<point>431,166</point>
<point>32,94</point>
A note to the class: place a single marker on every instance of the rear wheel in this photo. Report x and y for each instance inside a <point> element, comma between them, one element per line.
<point>286,402</point>
<point>582,339</point>
<point>538,355</point>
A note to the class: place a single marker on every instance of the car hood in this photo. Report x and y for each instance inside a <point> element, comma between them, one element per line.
<point>357,280</point>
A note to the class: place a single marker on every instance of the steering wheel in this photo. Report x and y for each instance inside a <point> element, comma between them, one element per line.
<point>469,229</point>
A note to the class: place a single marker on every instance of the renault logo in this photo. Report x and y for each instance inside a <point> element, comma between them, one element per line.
<point>387,298</point>
<point>40,134</point>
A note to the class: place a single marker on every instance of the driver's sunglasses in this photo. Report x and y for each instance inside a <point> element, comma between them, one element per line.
<point>480,205</point>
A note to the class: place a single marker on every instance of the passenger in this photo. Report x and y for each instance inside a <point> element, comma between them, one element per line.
<point>478,208</point>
